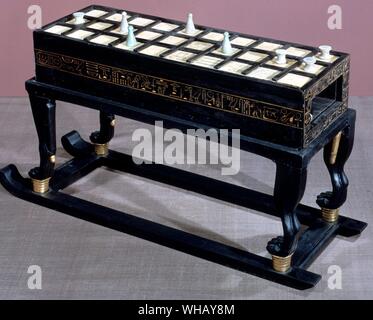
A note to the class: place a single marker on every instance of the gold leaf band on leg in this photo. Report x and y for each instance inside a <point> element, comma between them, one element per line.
<point>40,186</point>
<point>330,215</point>
<point>281,264</point>
<point>335,147</point>
<point>101,149</point>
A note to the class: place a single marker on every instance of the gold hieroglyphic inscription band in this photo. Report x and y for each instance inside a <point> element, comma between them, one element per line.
<point>172,89</point>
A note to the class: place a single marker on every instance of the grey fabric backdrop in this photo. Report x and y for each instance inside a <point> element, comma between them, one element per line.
<point>81,260</point>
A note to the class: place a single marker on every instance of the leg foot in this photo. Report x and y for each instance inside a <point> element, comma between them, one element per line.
<point>100,139</point>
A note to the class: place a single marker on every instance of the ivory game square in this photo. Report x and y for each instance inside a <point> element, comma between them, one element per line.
<point>58,29</point>
<point>103,39</point>
<point>100,26</point>
<point>219,51</point>
<point>116,17</point>
<point>73,21</point>
<point>234,67</point>
<point>197,32</point>
<point>289,63</point>
<point>117,31</point>
<point>330,60</point>
<point>263,73</point>
<point>214,36</point>
<point>207,61</point>
<point>268,46</point>
<point>80,34</point>
<point>315,69</point>
<point>179,55</point>
<point>173,40</point>
<point>142,22</point>
<point>148,35</point>
<point>199,45</point>
<point>253,56</point>
<point>163,26</point>
<point>96,13</point>
<point>294,80</point>
<point>124,46</point>
<point>297,52</point>
<point>241,41</point>
<point>154,50</point>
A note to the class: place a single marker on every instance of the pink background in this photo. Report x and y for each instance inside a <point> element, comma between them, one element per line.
<point>303,21</point>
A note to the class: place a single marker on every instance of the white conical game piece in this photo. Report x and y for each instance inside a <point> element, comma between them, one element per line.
<point>78,17</point>
<point>190,28</point>
<point>226,46</point>
<point>131,40</point>
<point>325,52</point>
<point>281,56</point>
<point>124,23</point>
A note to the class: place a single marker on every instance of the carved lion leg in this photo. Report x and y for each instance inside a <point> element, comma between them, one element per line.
<point>289,189</point>
<point>101,138</point>
<point>44,113</point>
<point>336,153</point>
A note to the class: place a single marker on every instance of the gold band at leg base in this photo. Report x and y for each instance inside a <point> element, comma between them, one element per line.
<point>281,264</point>
<point>101,149</point>
<point>40,186</point>
<point>330,215</point>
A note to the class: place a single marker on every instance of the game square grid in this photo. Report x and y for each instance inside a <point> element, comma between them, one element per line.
<point>207,61</point>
